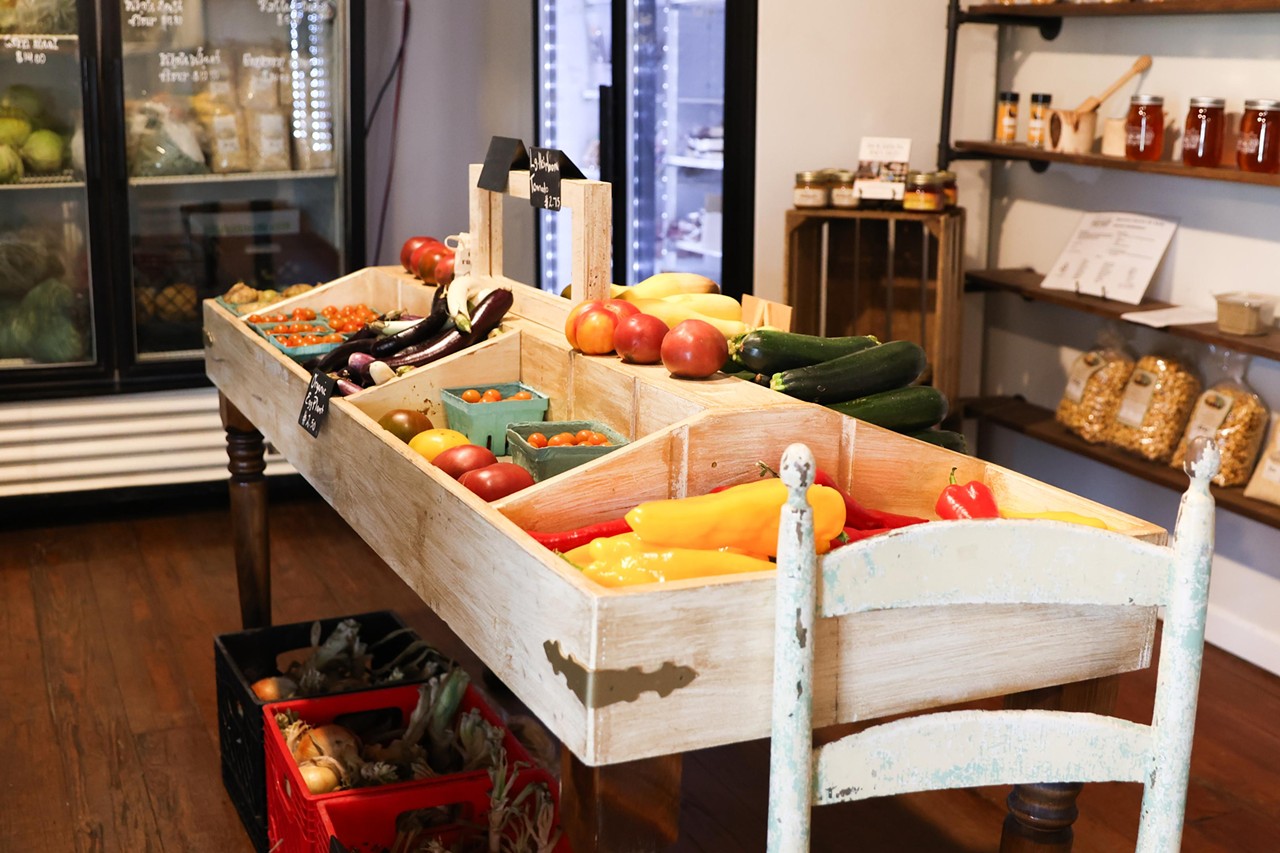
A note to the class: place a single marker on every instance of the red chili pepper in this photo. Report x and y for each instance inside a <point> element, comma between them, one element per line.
<point>854,534</point>
<point>567,540</point>
<point>972,500</point>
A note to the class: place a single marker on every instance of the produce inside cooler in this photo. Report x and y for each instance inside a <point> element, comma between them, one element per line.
<point>45,315</point>
<point>38,16</point>
<point>41,135</point>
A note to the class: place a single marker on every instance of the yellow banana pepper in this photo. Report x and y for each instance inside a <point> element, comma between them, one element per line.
<point>1057,515</point>
<point>625,560</point>
<point>743,517</point>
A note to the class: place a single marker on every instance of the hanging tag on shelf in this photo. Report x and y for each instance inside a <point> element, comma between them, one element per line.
<point>315,405</point>
<point>506,154</point>
<point>547,168</point>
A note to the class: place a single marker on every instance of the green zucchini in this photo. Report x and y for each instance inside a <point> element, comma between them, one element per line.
<point>748,375</point>
<point>907,410</point>
<point>771,351</point>
<point>869,371</point>
<point>943,438</point>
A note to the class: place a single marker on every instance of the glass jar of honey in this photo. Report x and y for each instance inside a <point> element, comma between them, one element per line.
<point>811,190</point>
<point>842,192</point>
<point>1144,128</point>
<point>1202,138</point>
<point>1258,148</point>
<point>923,192</point>
<point>949,193</point>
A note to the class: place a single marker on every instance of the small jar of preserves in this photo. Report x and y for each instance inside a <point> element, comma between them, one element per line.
<point>1007,118</point>
<point>842,191</point>
<point>811,190</point>
<point>1144,128</point>
<point>950,195</point>
<point>1202,138</point>
<point>1258,148</point>
<point>1038,119</point>
<point>923,192</point>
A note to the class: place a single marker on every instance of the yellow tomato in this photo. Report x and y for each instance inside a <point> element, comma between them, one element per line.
<point>432,442</point>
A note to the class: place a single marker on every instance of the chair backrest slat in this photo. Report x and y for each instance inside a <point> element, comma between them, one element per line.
<point>993,562</point>
<point>967,749</point>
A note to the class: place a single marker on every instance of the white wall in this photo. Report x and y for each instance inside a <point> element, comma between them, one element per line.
<point>831,72</point>
<point>467,77</point>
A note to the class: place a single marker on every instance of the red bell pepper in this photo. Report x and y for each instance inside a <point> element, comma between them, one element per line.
<point>566,540</point>
<point>972,500</point>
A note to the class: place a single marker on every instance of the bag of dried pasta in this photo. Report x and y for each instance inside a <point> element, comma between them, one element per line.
<point>1095,384</point>
<point>1231,414</point>
<point>1155,405</point>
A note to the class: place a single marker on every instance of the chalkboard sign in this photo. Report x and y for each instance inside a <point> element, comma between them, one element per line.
<point>315,406</point>
<point>547,167</point>
<point>505,155</point>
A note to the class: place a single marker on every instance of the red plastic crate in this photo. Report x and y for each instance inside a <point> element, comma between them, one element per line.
<point>366,822</point>
<point>293,812</point>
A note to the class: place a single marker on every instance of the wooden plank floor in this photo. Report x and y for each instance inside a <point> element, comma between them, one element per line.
<point>107,692</point>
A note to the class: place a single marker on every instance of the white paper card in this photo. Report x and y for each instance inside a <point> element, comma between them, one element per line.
<point>1178,315</point>
<point>882,167</point>
<point>1113,255</point>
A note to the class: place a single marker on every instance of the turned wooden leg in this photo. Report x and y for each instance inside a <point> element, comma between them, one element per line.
<point>248,487</point>
<point>1041,816</point>
<point>620,808</point>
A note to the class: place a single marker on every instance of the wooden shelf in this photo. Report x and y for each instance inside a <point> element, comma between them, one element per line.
<point>977,149</point>
<point>1026,283</point>
<point>1020,416</point>
<point>1113,10</point>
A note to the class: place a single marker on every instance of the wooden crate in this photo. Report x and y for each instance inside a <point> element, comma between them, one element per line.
<point>889,273</point>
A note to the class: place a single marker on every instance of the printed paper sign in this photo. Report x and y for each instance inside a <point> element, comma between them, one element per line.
<point>1112,255</point>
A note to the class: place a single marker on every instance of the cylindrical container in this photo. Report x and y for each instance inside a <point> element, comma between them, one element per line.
<point>1038,119</point>
<point>1007,118</point>
<point>811,190</point>
<point>1258,149</point>
<point>1202,139</point>
<point>923,192</point>
<point>842,193</point>
<point>1144,128</point>
<point>950,194</point>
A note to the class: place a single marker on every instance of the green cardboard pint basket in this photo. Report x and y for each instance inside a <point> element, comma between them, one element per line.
<point>485,424</point>
<point>545,462</point>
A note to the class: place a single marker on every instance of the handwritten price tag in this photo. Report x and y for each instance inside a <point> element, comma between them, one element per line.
<point>315,406</point>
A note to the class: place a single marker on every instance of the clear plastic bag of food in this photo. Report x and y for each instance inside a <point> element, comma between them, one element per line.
<point>163,141</point>
<point>263,69</point>
<point>1154,408</point>
<point>1095,385</point>
<point>1264,485</point>
<point>1230,413</point>
<point>268,134</point>
<point>224,139</point>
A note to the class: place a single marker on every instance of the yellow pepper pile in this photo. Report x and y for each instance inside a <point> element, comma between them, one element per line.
<point>726,532</point>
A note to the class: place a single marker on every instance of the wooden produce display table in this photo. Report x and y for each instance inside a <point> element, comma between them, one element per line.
<point>628,679</point>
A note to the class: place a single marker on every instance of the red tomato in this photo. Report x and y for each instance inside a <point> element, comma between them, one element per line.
<point>598,439</point>
<point>694,349</point>
<point>425,260</point>
<point>444,269</point>
<point>304,314</point>
<point>571,322</point>
<point>562,439</point>
<point>583,436</point>
<point>497,480</point>
<point>594,331</point>
<point>457,461</point>
<point>412,245</point>
<point>470,395</point>
<point>638,338</point>
<point>491,395</point>
<point>621,308</point>
<point>521,395</point>
<point>537,439</point>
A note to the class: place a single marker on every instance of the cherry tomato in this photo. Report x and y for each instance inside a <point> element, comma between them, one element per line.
<point>304,314</point>
<point>583,436</point>
<point>521,395</point>
<point>561,439</point>
<point>491,395</point>
<point>255,318</point>
<point>470,395</point>
<point>537,439</point>
<point>598,439</point>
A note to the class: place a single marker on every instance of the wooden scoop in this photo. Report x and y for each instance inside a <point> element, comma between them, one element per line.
<point>1092,103</point>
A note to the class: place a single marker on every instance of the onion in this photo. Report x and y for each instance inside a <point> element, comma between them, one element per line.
<point>330,740</point>
<point>274,688</point>
<point>319,780</point>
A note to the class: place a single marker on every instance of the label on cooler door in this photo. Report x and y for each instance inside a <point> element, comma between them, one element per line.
<point>315,405</point>
<point>153,14</point>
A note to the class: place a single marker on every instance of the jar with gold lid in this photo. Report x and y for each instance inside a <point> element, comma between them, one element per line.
<point>924,192</point>
<point>843,195</point>
<point>811,190</point>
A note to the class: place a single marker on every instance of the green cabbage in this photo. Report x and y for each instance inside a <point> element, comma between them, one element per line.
<point>24,99</point>
<point>43,151</point>
<point>11,170</point>
<point>15,127</point>
<point>41,326</point>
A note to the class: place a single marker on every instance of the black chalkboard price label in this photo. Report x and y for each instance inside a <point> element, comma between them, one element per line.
<point>547,167</point>
<point>315,406</point>
<point>506,154</point>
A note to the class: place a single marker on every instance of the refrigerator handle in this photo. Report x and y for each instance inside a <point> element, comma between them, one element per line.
<point>608,148</point>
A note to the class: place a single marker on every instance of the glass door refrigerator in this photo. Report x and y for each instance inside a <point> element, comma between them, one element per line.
<point>672,127</point>
<point>210,145</point>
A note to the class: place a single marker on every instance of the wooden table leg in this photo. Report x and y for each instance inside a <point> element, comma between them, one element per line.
<point>1041,816</point>
<point>620,808</point>
<point>248,488</point>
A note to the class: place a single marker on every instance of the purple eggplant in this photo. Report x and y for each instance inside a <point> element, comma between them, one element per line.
<point>487,316</point>
<point>418,333</point>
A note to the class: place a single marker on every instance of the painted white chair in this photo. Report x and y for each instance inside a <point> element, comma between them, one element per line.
<point>1036,562</point>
